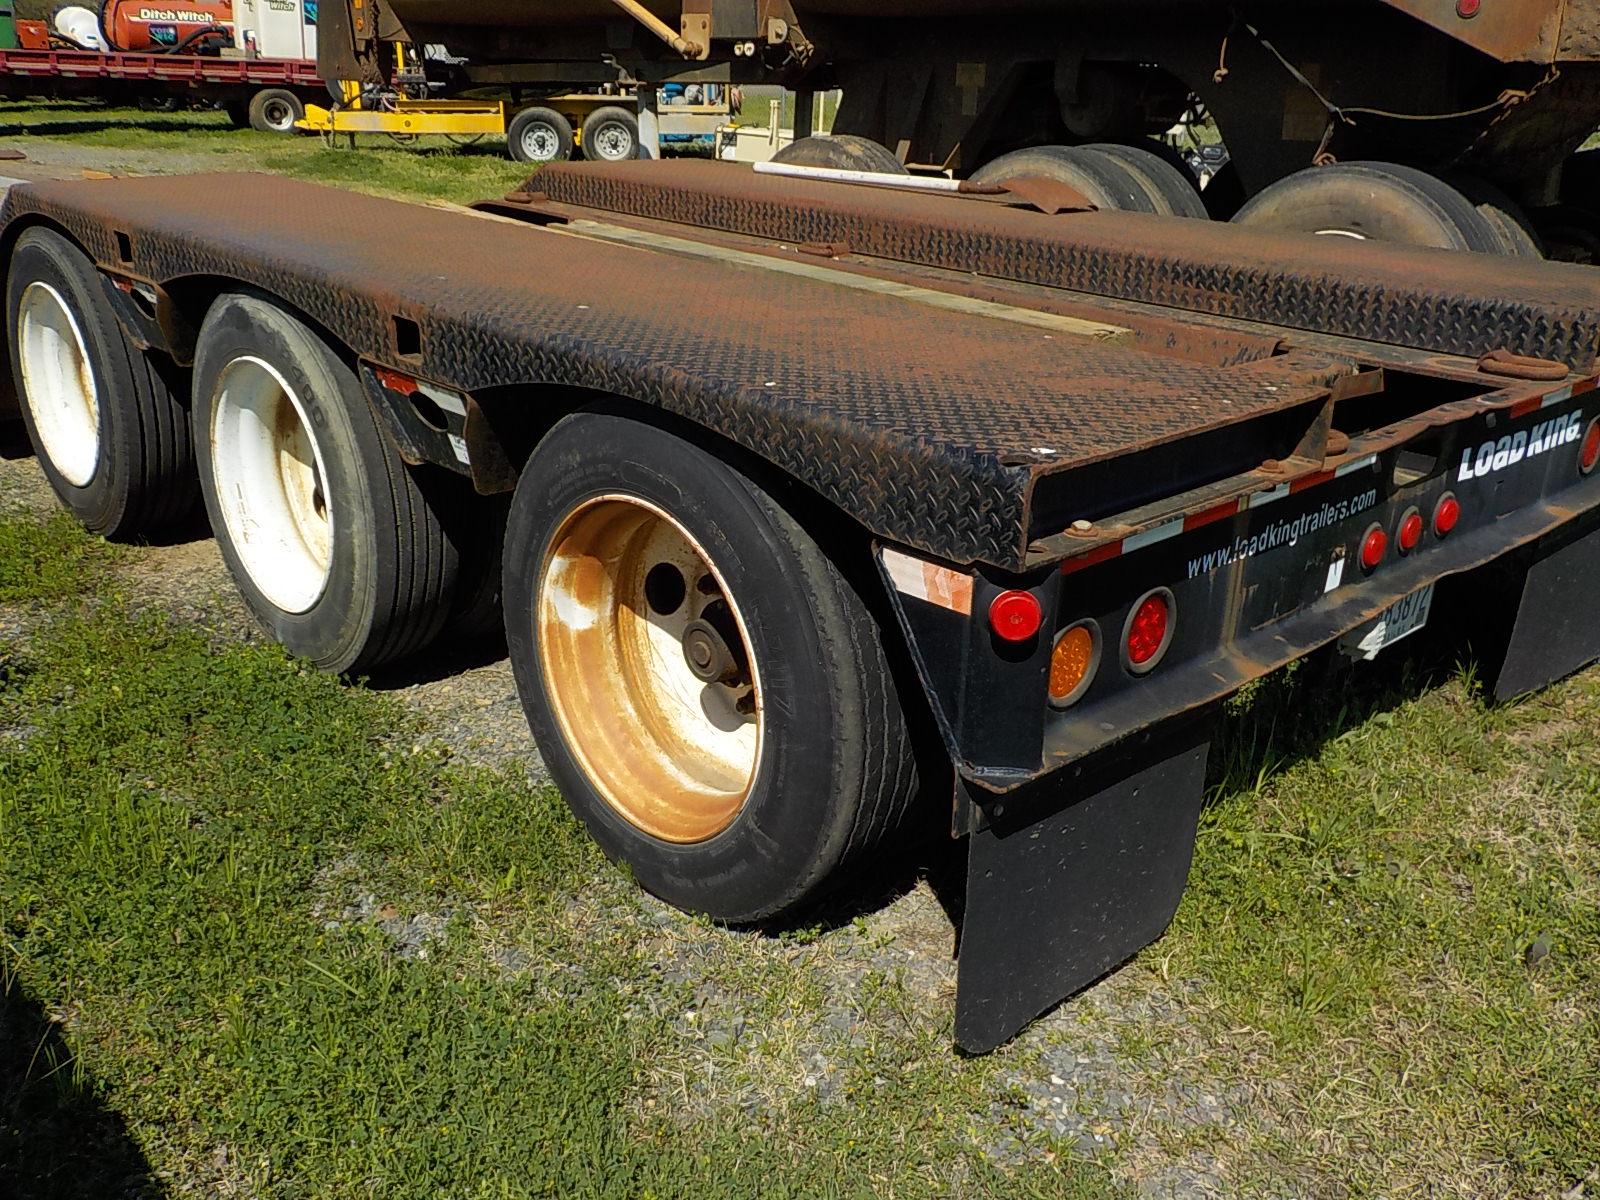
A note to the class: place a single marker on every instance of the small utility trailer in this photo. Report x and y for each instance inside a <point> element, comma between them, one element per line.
<point>829,509</point>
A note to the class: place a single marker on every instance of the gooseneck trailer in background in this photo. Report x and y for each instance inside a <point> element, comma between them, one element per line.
<point>963,507</point>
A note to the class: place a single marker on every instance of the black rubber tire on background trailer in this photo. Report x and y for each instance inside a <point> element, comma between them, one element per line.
<point>841,152</point>
<point>112,438</point>
<point>238,113</point>
<point>1172,191</point>
<point>1104,182</point>
<point>539,135</point>
<point>275,110</point>
<point>1511,224</point>
<point>329,536</point>
<point>1383,202</point>
<point>611,134</point>
<point>621,531</point>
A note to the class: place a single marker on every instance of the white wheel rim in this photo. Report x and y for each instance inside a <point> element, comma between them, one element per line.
<point>280,117</point>
<point>673,754</point>
<point>613,142</point>
<point>539,143</point>
<point>59,383</point>
<point>271,484</point>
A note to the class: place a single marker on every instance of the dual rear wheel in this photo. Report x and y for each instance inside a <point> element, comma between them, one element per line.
<point>705,682</point>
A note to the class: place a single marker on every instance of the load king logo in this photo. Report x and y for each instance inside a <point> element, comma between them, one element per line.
<point>1514,447</point>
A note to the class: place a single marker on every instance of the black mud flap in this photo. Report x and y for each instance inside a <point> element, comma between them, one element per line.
<point>1066,890</point>
<point>1557,628</point>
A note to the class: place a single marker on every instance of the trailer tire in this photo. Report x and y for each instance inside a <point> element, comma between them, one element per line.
<point>1104,182</point>
<point>1510,223</point>
<point>1366,201</point>
<point>539,135</point>
<point>1171,190</point>
<point>330,537</point>
<point>841,152</point>
<point>741,819</point>
<point>275,110</point>
<point>611,134</point>
<point>110,434</point>
<point>238,113</point>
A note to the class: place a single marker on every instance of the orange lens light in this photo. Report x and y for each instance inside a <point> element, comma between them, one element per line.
<point>1591,449</point>
<point>1072,664</point>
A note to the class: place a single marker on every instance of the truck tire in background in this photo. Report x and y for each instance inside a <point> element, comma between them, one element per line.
<point>1170,189</point>
<point>1382,202</point>
<point>328,534</point>
<point>539,135</point>
<point>275,110</point>
<point>706,687</point>
<point>1104,181</point>
<point>611,134</point>
<point>112,438</point>
<point>841,152</point>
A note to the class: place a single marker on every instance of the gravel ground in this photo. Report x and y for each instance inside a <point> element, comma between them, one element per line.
<point>762,1019</point>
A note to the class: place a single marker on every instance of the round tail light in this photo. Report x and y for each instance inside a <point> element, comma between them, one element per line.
<point>1373,547</point>
<point>1073,663</point>
<point>1148,632</point>
<point>1015,616</point>
<point>1446,516</point>
<point>1409,535</point>
<point>1590,454</point>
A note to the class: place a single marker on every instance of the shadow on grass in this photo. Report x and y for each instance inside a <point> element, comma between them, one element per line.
<point>1291,715</point>
<point>57,1140</point>
<point>177,123</point>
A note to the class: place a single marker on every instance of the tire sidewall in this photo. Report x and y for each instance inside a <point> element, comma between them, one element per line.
<point>602,119</point>
<point>333,630</point>
<point>793,819</point>
<point>554,121</point>
<point>1391,208</point>
<point>44,257</point>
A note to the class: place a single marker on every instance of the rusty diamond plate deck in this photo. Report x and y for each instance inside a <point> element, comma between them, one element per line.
<point>905,416</point>
<point>1448,303</point>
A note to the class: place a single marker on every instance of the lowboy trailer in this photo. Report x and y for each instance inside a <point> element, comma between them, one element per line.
<point>978,498</point>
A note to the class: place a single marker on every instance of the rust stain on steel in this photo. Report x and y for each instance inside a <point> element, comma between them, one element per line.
<point>1446,302</point>
<point>912,419</point>
<point>1519,31</point>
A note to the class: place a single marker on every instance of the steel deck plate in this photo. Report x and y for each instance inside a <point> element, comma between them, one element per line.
<point>909,418</point>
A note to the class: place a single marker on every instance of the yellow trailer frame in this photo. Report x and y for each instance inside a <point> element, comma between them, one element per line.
<point>411,118</point>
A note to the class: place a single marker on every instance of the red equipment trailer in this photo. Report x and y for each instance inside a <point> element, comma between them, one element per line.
<point>267,93</point>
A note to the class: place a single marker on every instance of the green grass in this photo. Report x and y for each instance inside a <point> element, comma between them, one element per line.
<point>206,998</point>
<point>130,140</point>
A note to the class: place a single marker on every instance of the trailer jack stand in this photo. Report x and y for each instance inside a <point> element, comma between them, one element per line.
<point>1556,632</point>
<point>1063,892</point>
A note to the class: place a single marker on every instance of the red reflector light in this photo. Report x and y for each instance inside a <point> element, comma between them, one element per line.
<point>1467,9</point>
<point>1149,631</point>
<point>1447,516</point>
<point>1410,536</point>
<point>1015,616</point>
<point>1373,547</point>
<point>1590,454</point>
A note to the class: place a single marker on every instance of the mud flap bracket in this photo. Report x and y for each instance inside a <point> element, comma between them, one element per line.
<point>1075,884</point>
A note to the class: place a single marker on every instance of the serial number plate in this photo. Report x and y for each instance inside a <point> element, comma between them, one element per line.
<point>1403,618</point>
